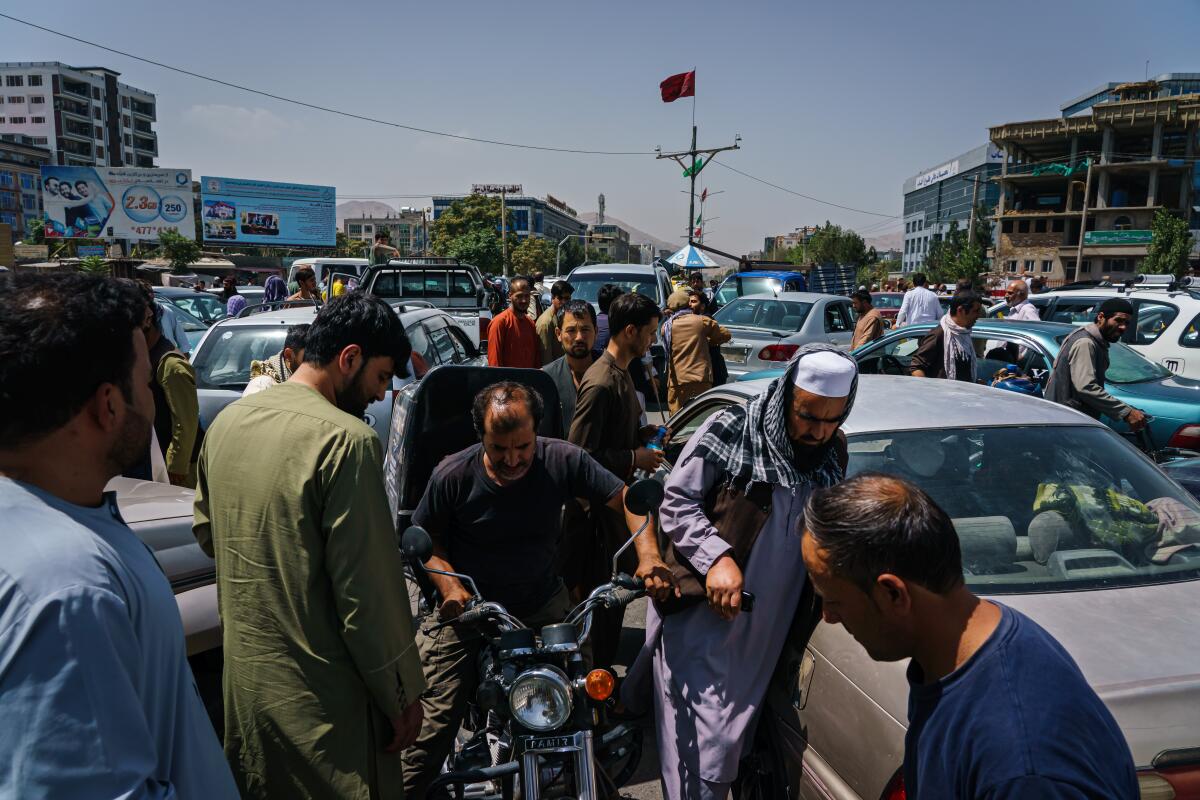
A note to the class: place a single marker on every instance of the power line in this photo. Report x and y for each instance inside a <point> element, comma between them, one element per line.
<point>805,196</point>
<point>326,109</point>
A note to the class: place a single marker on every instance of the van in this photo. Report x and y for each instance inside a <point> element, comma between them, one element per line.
<point>443,283</point>
<point>352,267</point>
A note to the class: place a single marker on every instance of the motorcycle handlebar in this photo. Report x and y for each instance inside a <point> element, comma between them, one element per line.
<point>622,597</point>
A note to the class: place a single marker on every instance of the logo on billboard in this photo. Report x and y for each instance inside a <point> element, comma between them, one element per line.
<point>496,188</point>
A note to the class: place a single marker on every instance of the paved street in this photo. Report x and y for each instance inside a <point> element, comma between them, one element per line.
<point>644,785</point>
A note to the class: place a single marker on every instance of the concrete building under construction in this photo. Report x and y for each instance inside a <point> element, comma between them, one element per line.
<point>1078,193</point>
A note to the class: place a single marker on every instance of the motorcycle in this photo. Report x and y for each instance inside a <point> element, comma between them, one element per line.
<point>539,727</point>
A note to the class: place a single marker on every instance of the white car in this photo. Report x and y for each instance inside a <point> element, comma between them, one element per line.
<point>1166,325</point>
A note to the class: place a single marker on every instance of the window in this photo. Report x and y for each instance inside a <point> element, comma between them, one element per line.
<point>1012,266</point>
<point>774,315</point>
<point>443,342</point>
<point>125,104</point>
<point>908,227</point>
<point>1191,334</point>
<point>1029,265</point>
<point>38,139</point>
<point>1047,266</point>
<point>892,358</point>
<point>1114,265</point>
<point>995,353</point>
<point>96,112</point>
<point>37,120</point>
<point>1039,226</point>
<point>14,80</point>
<point>16,99</point>
<point>28,182</point>
<point>461,285</point>
<point>125,121</point>
<point>1,120</point>
<point>1023,226</point>
<point>6,180</point>
<point>99,151</point>
<point>1057,225</point>
<point>424,357</point>
<point>1006,226</point>
<point>99,132</point>
<point>1153,318</point>
<point>355,230</point>
<point>684,429</point>
<point>37,100</point>
<point>1122,223</point>
<point>30,201</point>
<point>95,93</point>
<point>128,140</point>
<point>17,120</point>
<point>1075,310</point>
<point>35,80</point>
<point>1086,266</point>
<point>836,318</point>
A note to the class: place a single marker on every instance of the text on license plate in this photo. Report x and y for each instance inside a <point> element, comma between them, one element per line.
<point>735,354</point>
<point>549,742</point>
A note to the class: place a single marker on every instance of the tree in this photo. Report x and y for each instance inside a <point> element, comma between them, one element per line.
<point>570,255</point>
<point>478,247</point>
<point>347,247</point>
<point>532,255</point>
<point>476,217</point>
<point>95,265</point>
<point>35,231</point>
<point>1170,245</point>
<point>954,256</point>
<point>830,244</point>
<point>180,251</point>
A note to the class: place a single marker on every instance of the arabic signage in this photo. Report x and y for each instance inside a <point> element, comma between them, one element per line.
<point>1117,237</point>
<point>496,188</point>
<point>265,212</point>
<point>937,174</point>
<point>116,202</point>
<point>554,202</point>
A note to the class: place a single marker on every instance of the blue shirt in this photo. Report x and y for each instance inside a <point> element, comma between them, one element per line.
<point>96,696</point>
<point>1018,720</point>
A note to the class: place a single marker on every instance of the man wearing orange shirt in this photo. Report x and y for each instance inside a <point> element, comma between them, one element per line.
<point>512,337</point>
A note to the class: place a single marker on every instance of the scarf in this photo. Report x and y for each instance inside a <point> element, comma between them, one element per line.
<point>666,326</point>
<point>751,442</point>
<point>235,304</point>
<point>274,368</point>
<point>274,290</point>
<point>957,346</point>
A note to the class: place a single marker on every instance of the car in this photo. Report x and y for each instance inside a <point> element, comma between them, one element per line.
<point>203,306</point>
<point>1166,324</point>
<point>1186,472</point>
<point>324,267</point>
<point>222,359</point>
<point>252,294</point>
<point>769,281</point>
<point>445,283</point>
<point>1172,401</point>
<point>193,327</point>
<point>768,328</point>
<point>834,720</point>
<point>647,279</point>
<point>887,304</point>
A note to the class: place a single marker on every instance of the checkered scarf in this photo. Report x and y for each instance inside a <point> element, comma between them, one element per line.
<point>751,442</point>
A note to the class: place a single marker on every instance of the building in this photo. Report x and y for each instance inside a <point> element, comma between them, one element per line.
<point>407,230</point>
<point>1165,85</point>
<point>82,115</point>
<point>889,255</point>
<point>938,196</point>
<point>612,241</point>
<point>1078,193</point>
<point>548,218</point>
<point>776,246</point>
<point>20,177</point>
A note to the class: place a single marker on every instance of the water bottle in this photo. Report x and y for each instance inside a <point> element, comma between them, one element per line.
<point>659,438</point>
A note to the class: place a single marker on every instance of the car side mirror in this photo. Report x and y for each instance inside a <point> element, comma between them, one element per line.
<point>644,496</point>
<point>416,544</point>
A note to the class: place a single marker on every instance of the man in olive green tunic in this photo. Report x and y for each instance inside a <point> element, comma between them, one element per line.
<point>322,679</point>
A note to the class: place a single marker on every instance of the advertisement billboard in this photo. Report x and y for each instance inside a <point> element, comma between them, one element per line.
<point>264,212</point>
<point>116,202</point>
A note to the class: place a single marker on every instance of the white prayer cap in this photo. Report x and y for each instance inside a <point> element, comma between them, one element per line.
<point>825,374</point>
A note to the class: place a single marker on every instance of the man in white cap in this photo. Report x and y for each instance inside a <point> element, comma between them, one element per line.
<point>732,508</point>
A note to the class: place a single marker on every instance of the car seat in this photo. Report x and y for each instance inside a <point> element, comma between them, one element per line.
<point>989,544</point>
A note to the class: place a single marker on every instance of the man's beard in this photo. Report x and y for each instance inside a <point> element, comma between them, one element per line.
<point>354,399</point>
<point>132,446</point>
<point>579,350</point>
<point>808,457</point>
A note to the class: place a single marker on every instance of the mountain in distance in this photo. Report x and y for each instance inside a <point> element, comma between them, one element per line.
<point>362,208</point>
<point>888,241</point>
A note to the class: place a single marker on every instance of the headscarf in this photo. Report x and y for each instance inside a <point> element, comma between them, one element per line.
<point>274,290</point>
<point>957,347</point>
<point>666,326</point>
<point>751,442</point>
<point>235,304</point>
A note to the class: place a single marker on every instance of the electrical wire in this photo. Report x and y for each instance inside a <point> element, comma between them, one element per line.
<point>805,196</point>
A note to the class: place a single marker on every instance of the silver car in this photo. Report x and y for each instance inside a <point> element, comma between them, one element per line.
<point>835,720</point>
<point>768,328</point>
<point>222,359</point>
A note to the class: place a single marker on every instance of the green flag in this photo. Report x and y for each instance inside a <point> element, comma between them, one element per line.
<point>698,216</point>
<point>695,168</point>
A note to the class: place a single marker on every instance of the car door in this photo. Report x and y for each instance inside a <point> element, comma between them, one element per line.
<point>424,354</point>
<point>891,355</point>
<point>1151,319</point>
<point>839,323</point>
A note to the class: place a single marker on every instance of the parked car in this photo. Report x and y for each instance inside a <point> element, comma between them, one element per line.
<point>1165,328</point>
<point>322,267</point>
<point>741,284</point>
<point>647,279</point>
<point>193,327</point>
<point>888,305</point>
<point>768,328</point>
<point>445,283</point>
<point>834,720</point>
<point>222,359</point>
<point>204,306</point>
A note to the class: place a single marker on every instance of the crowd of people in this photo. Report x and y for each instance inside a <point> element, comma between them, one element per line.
<point>332,689</point>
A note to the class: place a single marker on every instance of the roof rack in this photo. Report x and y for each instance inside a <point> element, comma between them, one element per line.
<point>1168,283</point>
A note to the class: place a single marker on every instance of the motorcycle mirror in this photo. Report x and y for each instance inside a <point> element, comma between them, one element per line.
<point>644,496</point>
<point>416,544</point>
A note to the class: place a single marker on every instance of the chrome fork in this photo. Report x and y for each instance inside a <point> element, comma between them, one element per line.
<point>585,769</point>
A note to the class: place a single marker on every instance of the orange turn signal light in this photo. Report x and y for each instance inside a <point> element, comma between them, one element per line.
<point>599,684</point>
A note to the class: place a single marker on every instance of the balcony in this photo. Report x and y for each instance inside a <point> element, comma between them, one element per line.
<point>77,88</point>
<point>68,106</point>
<point>141,126</point>
<point>145,145</point>
<point>143,109</point>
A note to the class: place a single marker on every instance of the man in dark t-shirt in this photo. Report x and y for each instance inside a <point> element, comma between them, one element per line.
<point>997,708</point>
<point>493,511</point>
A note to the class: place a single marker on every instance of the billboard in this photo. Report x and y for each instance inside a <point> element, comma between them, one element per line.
<point>116,202</point>
<point>263,212</point>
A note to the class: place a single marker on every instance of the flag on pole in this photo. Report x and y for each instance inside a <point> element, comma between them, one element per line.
<point>677,86</point>
<point>699,232</point>
<point>695,168</point>
<point>704,195</point>
<point>698,218</point>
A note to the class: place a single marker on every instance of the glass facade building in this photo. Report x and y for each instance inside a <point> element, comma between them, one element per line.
<point>529,216</point>
<point>940,195</point>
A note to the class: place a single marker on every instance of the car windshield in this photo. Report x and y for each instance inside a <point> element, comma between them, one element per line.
<point>224,361</point>
<point>202,305</point>
<point>587,287</point>
<point>783,316</point>
<point>887,300</point>
<point>757,285</point>
<point>1126,365</point>
<point>1042,508</point>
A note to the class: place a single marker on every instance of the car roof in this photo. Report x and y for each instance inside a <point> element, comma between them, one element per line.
<point>1158,292</point>
<point>766,273</point>
<point>799,297</point>
<point>298,316</point>
<point>323,260</point>
<point>173,291</point>
<point>592,269</point>
<point>895,402</point>
<point>1050,329</point>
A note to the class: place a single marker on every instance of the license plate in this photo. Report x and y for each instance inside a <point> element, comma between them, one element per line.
<point>549,742</point>
<point>737,355</point>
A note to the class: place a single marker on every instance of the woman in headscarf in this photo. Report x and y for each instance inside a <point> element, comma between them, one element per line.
<point>235,304</point>
<point>274,290</point>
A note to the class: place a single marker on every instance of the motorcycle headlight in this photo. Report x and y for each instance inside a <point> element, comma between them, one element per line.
<point>540,699</point>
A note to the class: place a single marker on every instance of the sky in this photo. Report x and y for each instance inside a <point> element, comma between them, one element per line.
<point>841,101</point>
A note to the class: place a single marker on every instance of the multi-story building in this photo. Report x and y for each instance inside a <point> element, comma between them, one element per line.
<point>940,195</point>
<point>776,246</point>
<point>612,240</point>
<point>20,175</point>
<point>548,218</point>
<point>406,230</point>
<point>82,115</point>
<point>1078,193</point>
<point>1165,85</point>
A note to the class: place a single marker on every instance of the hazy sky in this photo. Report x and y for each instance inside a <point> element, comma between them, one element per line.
<point>839,100</point>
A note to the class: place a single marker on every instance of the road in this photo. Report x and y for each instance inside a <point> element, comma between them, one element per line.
<point>644,785</point>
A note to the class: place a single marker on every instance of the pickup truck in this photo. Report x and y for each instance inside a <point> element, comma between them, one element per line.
<point>445,283</point>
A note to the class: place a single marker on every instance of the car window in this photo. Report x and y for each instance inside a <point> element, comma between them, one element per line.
<point>785,316</point>
<point>201,305</point>
<point>387,284</point>
<point>1040,304</point>
<point>1075,310</point>
<point>727,293</point>
<point>1126,365</point>
<point>424,356</point>
<point>836,318</point>
<point>688,422</point>
<point>587,287</point>
<point>1191,334</point>
<point>224,361</point>
<point>461,285</point>
<point>888,301</point>
<point>464,349</point>
<point>891,358</point>
<point>1153,317</point>
<point>995,353</point>
<point>443,343</point>
<point>1081,514</point>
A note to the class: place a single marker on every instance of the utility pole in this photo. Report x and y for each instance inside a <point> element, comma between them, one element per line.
<point>1087,189</point>
<point>971,224</point>
<point>692,168</point>
<point>503,234</point>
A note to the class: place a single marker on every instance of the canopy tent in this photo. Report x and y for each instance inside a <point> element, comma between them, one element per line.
<point>690,256</point>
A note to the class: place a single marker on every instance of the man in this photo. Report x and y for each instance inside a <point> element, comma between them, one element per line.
<point>1037,285</point>
<point>919,304</point>
<point>322,677</point>
<point>688,338</point>
<point>228,287</point>
<point>547,323</point>
<point>732,505</point>
<point>381,251</point>
<point>512,337</point>
<point>696,283</point>
<point>279,367</point>
<point>96,696</point>
<point>604,297</point>
<point>576,336</point>
<point>1077,380</point>
<point>1016,294</point>
<point>869,325</point>
<point>306,279</point>
<point>948,351</point>
<point>176,406</point>
<point>493,512</point>
<point>172,326</point>
<point>997,708</point>
<point>199,287</point>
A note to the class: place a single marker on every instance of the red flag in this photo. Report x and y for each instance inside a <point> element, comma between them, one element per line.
<point>704,195</point>
<point>677,86</point>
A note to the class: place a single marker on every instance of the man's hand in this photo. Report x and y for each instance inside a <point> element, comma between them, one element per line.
<point>724,584</point>
<point>647,432</point>
<point>453,604</point>
<point>1136,419</point>
<point>406,727</point>
<point>646,459</point>
<point>660,582</point>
